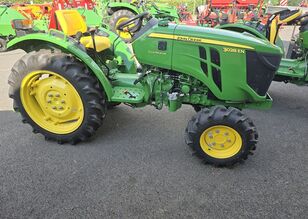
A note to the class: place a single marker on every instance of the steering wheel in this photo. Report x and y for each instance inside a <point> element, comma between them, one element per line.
<point>124,26</point>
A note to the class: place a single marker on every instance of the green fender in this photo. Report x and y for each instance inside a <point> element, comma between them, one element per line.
<point>242,28</point>
<point>61,42</point>
<point>120,6</point>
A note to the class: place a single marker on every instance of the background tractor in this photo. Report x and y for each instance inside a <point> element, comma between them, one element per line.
<point>41,17</point>
<point>6,30</point>
<point>120,11</point>
<point>62,86</point>
<point>293,67</point>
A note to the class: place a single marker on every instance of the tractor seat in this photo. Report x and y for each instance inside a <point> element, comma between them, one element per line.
<point>71,22</point>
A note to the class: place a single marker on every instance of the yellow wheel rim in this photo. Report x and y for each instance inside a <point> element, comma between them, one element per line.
<point>123,34</point>
<point>221,142</point>
<point>52,102</point>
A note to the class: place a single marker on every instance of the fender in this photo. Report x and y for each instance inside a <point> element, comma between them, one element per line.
<point>119,6</point>
<point>57,40</point>
<point>242,28</point>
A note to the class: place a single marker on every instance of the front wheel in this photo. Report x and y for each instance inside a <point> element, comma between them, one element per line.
<point>57,95</point>
<point>221,136</point>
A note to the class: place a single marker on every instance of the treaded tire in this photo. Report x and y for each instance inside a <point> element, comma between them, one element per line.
<point>87,86</point>
<point>220,115</point>
<point>3,47</point>
<point>116,16</point>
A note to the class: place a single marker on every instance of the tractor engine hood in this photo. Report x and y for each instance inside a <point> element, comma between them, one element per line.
<point>233,66</point>
<point>224,38</point>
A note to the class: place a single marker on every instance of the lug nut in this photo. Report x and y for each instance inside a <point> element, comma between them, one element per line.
<point>57,95</point>
<point>49,101</point>
<point>50,95</point>
<point>63,101</point>
<point>222,145</point>
<point>226,134</point>
<point>54,107</point>
<point>61,108</point>
<point>217,131</point>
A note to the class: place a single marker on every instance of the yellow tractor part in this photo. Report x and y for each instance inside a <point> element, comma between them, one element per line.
<point>52,102</point>
<point>124,34</point>
<point>35,11</point>
<point>72,22</point>
<point>221,142</point>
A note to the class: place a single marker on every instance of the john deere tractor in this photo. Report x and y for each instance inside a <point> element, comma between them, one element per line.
<point>6,30</point>
<point>293,67</point>
<point>62,86</point>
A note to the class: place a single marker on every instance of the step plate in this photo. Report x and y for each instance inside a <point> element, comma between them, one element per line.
<point>127,95</point>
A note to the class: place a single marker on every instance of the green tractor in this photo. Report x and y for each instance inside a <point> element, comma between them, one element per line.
<point>122,11</point>
<point>65,82</point>
<point>6,30</point>
<point>293,67</point>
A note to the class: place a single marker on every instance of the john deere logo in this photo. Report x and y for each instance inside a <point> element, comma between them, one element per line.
<point>233,50</point>
<point>190,39</point>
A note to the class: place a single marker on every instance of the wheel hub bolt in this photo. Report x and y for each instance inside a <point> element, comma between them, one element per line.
<point>61,108</point>
<point>57,95</point>
<point>217,131</point>
<point>63,101</point>
<point>54,107</point>
<point>50,95</point>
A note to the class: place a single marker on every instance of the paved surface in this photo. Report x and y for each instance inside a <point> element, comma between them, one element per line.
<point>7,60</point>
<point>138,166</point>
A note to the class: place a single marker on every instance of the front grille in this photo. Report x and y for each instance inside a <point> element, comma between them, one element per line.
<point>261,68</point>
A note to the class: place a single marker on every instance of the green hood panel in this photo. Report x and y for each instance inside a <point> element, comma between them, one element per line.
<point>224,37</point>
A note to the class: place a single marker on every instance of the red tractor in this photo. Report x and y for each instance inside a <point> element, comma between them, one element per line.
<point>222,11</point>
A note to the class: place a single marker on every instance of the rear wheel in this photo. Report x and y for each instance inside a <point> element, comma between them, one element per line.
<point>119,17</point>
<point>57,96</point>
<point>221,136</point>
<point>2,45</point>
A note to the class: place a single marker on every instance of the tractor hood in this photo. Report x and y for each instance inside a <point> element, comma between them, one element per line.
<point>224,38</point>
<point>233,66</point>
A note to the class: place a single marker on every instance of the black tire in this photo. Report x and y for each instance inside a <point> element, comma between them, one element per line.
<point>3,47</point>
<point>86,85</point>
<point>197,108</point>
<point>220,115</point>
<point>116,16</point>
